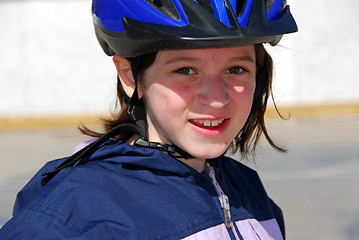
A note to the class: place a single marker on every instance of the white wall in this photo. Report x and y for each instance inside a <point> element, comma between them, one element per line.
<point>50,62</point>
<point>320,63</point>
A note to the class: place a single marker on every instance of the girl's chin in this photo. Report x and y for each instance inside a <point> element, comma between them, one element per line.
<point>207,153</point>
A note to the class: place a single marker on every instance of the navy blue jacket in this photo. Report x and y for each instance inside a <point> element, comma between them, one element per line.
<point>126,192</point>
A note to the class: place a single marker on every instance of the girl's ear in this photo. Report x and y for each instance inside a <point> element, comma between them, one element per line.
<point>124,71</point>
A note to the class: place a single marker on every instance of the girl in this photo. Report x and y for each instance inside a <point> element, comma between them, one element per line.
<point>193,82</point>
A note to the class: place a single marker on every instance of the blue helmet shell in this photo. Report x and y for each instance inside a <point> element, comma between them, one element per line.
<point>136,27</point>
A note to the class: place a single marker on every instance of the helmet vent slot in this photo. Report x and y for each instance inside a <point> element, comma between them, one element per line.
<point>158,3</point>
<point>276,9</point>
<point>269,4</point>
<point>166,7</point>
<point>240,7</point>
<point>206,5</point>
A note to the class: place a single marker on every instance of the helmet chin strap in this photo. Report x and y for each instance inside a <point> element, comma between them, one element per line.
<point>171,149</point>
<point>137,114</point>
<point>135,108</point>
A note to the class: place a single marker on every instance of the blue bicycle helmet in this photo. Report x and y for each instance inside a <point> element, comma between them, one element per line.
<point>131,28</point>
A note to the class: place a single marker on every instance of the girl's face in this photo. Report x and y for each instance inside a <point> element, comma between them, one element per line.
<point>199,99</point>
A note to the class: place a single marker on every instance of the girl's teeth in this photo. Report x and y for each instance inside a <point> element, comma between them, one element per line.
<point>208,123</point>
<point>215,123</point>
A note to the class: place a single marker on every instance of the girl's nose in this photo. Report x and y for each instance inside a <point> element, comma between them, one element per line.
<point>213,93</point>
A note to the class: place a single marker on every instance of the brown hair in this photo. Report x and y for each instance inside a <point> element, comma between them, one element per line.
<point>247,139</point>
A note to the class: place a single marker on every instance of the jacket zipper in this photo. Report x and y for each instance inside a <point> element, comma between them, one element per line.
<point>223,199</point>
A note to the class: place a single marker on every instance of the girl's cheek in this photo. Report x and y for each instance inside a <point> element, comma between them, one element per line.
<point>238,89</point>
<point>185,92</point>
<point>246,88</point>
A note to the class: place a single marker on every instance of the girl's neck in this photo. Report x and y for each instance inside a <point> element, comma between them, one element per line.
<point>195,163</point>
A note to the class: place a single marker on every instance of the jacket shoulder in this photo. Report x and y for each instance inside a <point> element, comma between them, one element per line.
<point>37,225</point>
<point>29,191</point>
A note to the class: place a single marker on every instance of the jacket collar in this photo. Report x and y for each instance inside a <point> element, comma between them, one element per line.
<point>120,152</point>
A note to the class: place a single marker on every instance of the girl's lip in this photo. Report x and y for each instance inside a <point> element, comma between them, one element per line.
<point>209,128</point>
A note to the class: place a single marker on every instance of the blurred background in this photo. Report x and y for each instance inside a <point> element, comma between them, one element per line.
<point>54,75</point>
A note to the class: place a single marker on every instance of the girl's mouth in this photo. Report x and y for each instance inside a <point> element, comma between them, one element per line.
<point>210,128</point>
<point>210,124</point>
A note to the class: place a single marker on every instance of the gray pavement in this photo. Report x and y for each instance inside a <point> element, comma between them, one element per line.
<point>316,183</point>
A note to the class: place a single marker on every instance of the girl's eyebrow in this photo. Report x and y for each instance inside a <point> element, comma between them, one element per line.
<point>243,58</point>
<point>193,59</point>
<point>182,58</point>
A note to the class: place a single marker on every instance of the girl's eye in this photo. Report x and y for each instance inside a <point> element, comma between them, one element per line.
<point>235,70</point>
<point>185,71</point>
